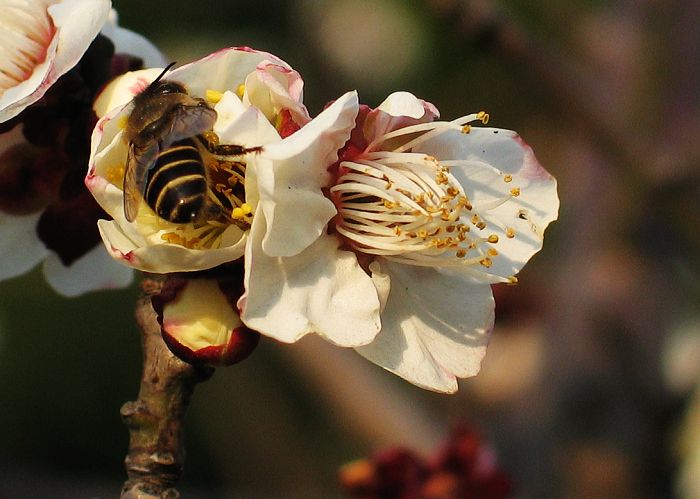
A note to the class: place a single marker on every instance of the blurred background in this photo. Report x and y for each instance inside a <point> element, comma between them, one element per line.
<point>589,388</point>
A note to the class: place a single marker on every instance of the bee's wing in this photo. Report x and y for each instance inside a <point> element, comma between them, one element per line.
<point>188,121</point>
<point>139,161</point>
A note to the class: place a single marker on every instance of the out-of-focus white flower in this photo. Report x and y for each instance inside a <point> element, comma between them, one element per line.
<point>433,212</point>
<point>45,101</point>
<point>41,41</point>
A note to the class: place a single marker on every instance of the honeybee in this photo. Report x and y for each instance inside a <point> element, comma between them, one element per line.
<point>170,134</point>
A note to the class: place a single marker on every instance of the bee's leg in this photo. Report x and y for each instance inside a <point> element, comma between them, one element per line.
<point>211,142</point>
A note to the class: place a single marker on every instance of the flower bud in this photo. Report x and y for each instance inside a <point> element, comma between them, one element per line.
<point>199,320</point>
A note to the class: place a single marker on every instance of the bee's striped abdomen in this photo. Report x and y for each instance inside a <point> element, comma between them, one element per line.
<point>177,183</point>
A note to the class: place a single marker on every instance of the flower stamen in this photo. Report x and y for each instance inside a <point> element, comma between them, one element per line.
<point>26,30</point>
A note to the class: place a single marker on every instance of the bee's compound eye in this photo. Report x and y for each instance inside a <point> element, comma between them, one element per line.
<point>168,87</point>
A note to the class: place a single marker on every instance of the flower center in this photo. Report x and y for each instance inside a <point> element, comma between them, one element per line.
<point>408,207</point>
<point>26,30</point>
<point>227,207</point>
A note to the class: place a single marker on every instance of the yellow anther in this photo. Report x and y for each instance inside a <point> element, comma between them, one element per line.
<point>450,228</point>
<point>493,238</point>
<point>512,280</point>
<point>510,232</point>
<point>515,192</point>
<point>466,128</point>
<point>441,178</point>
<point>397,230</point>
<point>461,253</point>
<point>481,225</point>
<point>492,252</point>
<point>213,96</point>
<point>486,262</point>
<point>246,208</point>
<point>507,178</point>
<point>240,90</point>
<point>483,116</point>
<point>237,213</point>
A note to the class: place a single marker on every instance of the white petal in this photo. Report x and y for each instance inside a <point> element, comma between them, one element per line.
<point>237,123</point>
<point>322,290</point>
<point>273,87</point>
<point>77,23</point>
<point>163,258</point>
<point>493,153</point>
<point>20,246</point>
<point>93,271</point>
<point>122,89</point>
<point>128,42</point>
<point>223,70</point>
<point>400,109</point>
<point>435,328</point>
<point>291,174</point>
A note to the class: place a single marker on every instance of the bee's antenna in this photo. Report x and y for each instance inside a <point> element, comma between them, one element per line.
<point>160,76</point>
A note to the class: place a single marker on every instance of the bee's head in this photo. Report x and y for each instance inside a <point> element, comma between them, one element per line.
<point>159,86</point>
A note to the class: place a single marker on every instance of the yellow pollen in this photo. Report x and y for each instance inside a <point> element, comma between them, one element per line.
<point>466,128</point>
<point>492,252</point>
<point>512,280</point>
<point>173,238</point>
<point>122,122</point>
<point>240,90</point>
<point>510,232</point>
<point>483,116</point>
<point>450,228</point>
<point>507,178</point>
<point>247,209</point>
<point>115,174</point>
<point>213,96</point>
<point>493,238</point>
<point>515,192</point>
<point>486,262</point>
<point>481,225</point>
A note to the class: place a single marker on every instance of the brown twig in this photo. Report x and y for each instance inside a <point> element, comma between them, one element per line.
<point>156,419</point>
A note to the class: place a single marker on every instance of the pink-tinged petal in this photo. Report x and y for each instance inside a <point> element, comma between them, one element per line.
<point>322,290</point>
<point>76,24</point>
<point>165,257</point>
<point>93,271</point>
<point>122,89</point>
<point>291,174</point>
<point>272,88</point>
<point>223,70</point>
<point>127,42</point>
<point>435,327</point>
<point>497,164</point>
<point>20,247</point>
<point>200,325</point>
<point>399,110</point>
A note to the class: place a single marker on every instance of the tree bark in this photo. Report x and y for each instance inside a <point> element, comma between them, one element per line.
<point>155,420</point>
